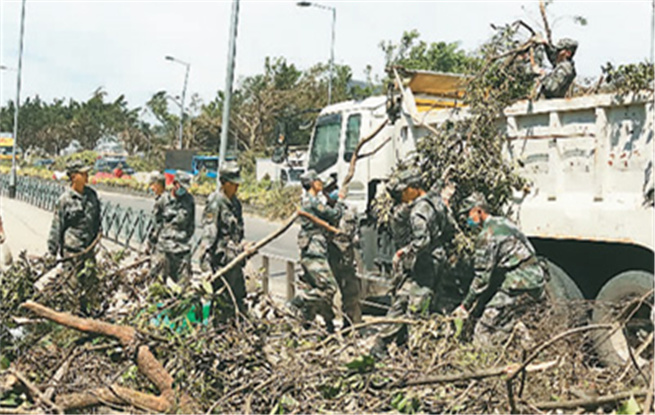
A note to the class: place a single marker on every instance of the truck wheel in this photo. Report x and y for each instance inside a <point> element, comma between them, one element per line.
<point>561,290</point>
<point>613,304</point>
<point>561,286</point>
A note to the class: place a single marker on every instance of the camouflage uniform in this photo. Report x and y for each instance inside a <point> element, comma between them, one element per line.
<point>508,279</point>
<point>223,233</point>
<point>341,258</point>
<point>423,259</point>
<point>157,215</point>
<point>75,226</point>
<point>556,83</point>
<point>312,241</point>
<point>174,243</point>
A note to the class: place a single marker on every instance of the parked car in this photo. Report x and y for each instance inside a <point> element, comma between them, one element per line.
<point>109,165</point>
<point>43,162</point>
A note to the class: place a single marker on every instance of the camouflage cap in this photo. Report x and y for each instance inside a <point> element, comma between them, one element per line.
<point>308,177</point>
<point>567,44</point>
<point>409,178</point>
<point>158,178</point>
<point>230,172</point>
<point>475,199</point>
<point>182,178</point>
<point>77,166</point>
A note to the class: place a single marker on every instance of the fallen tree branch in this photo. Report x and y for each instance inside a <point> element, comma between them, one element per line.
<point>145,360</point>
<point>482,374</point>
<point>259,245</point>
<point>320,222</point>
<point>542,10</point>
<point>356,156</point>
<point>36,392</point>
<point>589,403</point>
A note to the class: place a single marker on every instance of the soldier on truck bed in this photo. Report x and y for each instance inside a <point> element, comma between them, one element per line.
<point>556,83</point>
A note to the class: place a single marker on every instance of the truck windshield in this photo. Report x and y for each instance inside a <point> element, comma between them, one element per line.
<point>325,148</point>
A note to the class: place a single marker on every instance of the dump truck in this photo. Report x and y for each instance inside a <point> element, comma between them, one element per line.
<point>589,162</point>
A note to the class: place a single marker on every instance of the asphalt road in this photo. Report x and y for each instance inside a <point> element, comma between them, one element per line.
<point>256,228</point>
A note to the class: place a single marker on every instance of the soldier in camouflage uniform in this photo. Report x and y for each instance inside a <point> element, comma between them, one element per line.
<point>556,83</point>
<point>508,277</point>
<point>419,263</point>
<point>341,255</point>
<point>157,186</point>
<point>174,242</point>
<point>223,238</point>
<point>312,241</point>
<point>75,227</point>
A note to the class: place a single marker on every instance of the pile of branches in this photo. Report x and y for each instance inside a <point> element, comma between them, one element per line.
<point>128,359</point>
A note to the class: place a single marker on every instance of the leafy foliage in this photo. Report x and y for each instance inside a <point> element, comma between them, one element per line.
<point>628,78</point>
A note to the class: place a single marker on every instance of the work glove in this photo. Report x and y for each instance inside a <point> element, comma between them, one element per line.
<point>460,312</point>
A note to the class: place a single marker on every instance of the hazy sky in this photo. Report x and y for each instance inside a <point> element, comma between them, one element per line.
<point>74,47</point>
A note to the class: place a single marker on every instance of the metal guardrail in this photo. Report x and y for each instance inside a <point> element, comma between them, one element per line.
<point>125,226</point>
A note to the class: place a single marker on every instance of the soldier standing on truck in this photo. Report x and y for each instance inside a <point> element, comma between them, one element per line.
<point>341,255</point>
<point>223,240</point>
<point>74,232</point>
<point>174,242</point>
<point>419,264</point>
<point>508,281</point>
<point>556,83</point>
<point>312,241</point>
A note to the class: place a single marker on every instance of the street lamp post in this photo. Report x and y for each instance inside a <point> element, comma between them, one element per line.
<point>334,21</point>
<point>186,78</point>
<point>229,79</point>
<point>12,176</point>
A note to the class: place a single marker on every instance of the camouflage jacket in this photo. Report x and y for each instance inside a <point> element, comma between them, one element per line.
<point>556,83</point>
<point>178,224</point>
<point>346,222</point>
<point>222,227</point>
<point>76,222</point>
<point>431,230</point>
<point>157,221</point>
<point>312,237</point>
<point>504,261</point>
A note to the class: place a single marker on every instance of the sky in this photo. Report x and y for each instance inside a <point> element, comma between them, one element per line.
<point>74,47</point>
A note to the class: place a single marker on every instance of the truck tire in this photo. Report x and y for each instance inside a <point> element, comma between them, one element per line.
<point>561,291</point>
<point>561,286</point>
<point>613,349</point>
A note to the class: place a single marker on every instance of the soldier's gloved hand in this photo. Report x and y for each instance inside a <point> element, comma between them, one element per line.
<point>248,247</point>
<point>460,312</point>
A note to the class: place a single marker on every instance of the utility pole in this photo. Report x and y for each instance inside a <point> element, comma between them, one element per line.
<point>12,176</point>
<point>229,78</point>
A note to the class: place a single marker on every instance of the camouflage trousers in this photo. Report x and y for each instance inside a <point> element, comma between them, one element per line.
<point>500,319</point>
<point>81,277</point>
<point>317,298</point>
<point>343,269</point>
<point>223,305</point>
<point>411,299</point>
<point>173,265</point>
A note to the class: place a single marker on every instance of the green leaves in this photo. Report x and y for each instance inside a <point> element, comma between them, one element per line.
<point>405,403</point>
<point>362,364</point>
<point>629,407</point>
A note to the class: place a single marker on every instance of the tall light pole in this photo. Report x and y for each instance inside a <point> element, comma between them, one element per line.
<point>229,78</point>
<point>334,21</point>
<point>12,176</point>
<point>186,78</point>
